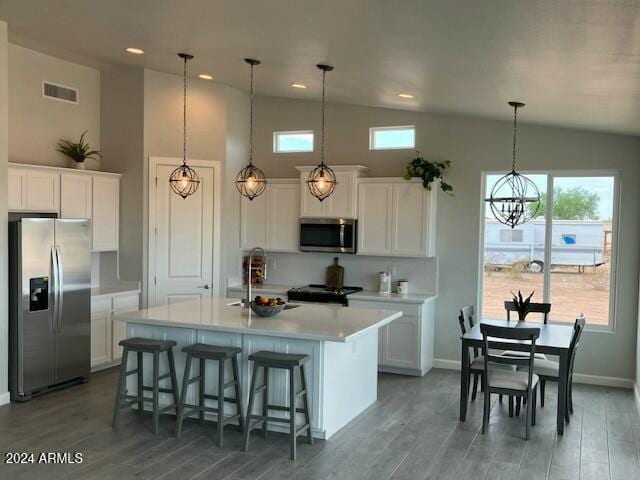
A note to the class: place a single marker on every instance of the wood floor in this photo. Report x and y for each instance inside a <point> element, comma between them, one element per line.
<point>412,432</point>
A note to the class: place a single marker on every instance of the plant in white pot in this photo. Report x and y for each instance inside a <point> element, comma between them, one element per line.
<point>78,151</point>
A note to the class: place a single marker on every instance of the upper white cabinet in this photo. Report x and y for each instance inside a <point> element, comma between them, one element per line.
<point>105,216</point>
<point>395,218</point>
<point>75,195</point>
<point>271,221</point>
<point>70,194</point>
<point>343,201</point>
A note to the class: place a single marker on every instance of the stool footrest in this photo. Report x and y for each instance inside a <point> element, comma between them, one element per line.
<point>260,388</point>
<point>166,375</point>
<point>194,380</point>
<point>229,384</point>
<point>215,397</point>
<point>302,429</point>
<point>262,418</point>
<point>131,372</point>
<point>161,390</point>
<point>284,409</point>
<point>173,406</point>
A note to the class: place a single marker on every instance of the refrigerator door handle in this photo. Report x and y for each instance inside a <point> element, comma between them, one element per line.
<point>54,286</point>
<point>60,302</point>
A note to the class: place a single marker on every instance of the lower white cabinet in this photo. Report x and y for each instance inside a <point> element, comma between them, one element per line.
<point>106,332</point>
<point>405,346</point>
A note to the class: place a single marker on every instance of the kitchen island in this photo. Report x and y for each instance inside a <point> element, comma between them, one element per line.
<point>342,343</point>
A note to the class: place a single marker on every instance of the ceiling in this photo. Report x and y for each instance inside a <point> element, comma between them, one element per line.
<point>575,63</point>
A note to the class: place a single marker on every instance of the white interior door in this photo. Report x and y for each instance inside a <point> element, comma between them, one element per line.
<point>182,241</point>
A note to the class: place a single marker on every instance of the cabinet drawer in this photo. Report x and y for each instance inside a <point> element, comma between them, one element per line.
<point>126,302</point>
<point>100,305</point>
<point>408,309</point>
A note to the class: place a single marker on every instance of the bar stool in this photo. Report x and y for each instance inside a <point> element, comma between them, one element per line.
<point>204,352</point>
<point>155,347</point>
<point>285,361</point>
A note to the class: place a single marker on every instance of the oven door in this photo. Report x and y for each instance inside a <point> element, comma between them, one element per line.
<point>328,235</point>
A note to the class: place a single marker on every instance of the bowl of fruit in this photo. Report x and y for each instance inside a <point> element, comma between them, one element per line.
<point>267,307</point>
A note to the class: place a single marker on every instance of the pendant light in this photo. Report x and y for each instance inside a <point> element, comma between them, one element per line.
<point>251,181</point>
<point>514,199</point>
<point>184,180</point>
<point>322,180</point>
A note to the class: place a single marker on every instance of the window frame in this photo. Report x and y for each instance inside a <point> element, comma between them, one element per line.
<point>373,130</point>
<point>276,134</point>
<point>610,327</point>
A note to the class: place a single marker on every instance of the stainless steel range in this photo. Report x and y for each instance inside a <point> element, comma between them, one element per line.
<point>321,294</point>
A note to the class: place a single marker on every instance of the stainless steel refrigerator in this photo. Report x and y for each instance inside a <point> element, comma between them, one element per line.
<point>49,304</point>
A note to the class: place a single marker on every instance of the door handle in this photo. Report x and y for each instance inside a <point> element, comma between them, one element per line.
<point>60,288</point>
<point>206,286</point>
<point>54,288</point>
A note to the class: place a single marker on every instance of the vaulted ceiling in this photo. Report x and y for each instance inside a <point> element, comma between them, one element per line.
<point>575,63</point>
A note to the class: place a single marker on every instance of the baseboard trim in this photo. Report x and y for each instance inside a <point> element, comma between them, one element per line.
<point>577,377</point>
<point>5,398</point>
<point>636,392</point>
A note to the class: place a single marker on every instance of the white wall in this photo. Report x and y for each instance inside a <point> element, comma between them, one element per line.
<point>474,145</point>
<point>37,123</point>
<point>4,141</point>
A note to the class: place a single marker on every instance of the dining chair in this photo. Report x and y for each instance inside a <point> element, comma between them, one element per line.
<point>543,308</point>
<point>476,361</point>
<point>548,370</point>
<point>515,383</point>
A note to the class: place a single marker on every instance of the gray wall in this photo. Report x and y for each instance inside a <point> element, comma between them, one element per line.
<point>4,142</point>
<point>37,123</point>
<point>474,145</point>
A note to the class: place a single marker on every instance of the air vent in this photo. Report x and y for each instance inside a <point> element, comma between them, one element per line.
<point>59,92</point>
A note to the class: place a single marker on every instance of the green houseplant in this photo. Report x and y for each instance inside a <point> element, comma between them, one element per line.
<point>522,304</point>
<point>78,151</point>
<point>429,172</point>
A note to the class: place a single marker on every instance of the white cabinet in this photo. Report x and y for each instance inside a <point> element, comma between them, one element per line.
<point>33,189</point>
<point>106,332</point>
<point>75,195</point>
<point>396,218</point>
<point>271,221</point>
<point>105,212</point>
<point>405,345</point>
<point>343,201</point>
<point>17,189</point>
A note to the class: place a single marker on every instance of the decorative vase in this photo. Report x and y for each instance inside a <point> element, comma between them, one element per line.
<point>522,315</point>
<point>79,165</point>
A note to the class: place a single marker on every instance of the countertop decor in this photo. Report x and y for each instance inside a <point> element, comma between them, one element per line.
<point>78,151</point>
<point>429,172</point>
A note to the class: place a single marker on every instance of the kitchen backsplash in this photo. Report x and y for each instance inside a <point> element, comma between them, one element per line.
<point>362,271</point>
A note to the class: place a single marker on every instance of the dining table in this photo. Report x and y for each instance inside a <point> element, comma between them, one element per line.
<point>554,339</point>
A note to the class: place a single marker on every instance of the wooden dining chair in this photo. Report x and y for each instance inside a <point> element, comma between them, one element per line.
<point>476,361</point>
<point>543,308</point>
<point>548,370</point>
<point>502,381</point>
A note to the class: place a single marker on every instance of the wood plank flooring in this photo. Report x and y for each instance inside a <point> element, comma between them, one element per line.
<point>412,432</point>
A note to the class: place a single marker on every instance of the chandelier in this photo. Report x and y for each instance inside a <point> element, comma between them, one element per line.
<point>322,180</point>
<point>184,180</point>
<point>514,198</point>
<point>251,181</point>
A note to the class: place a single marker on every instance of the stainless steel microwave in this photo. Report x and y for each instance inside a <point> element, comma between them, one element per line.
<point>328,235</point>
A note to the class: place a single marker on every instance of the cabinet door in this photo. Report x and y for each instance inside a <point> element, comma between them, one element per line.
<point>100,338</point>
<point>254,221</point>
<point>105,213</point>
<point>374,218</point>
<point>409,229</point>
<point>17,189</point>
<point>43,191</point>
<point>342,202</point>
<point>284,216</point>
<point>401,343</point>
<point>75,195</point>
<point>310,206</point>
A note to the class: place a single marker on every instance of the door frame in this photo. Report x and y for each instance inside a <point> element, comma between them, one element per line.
<point>217,212</point>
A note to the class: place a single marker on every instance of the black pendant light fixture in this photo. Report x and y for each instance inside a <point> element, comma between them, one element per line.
<point>184,180</point>
<point>514,198</point>
<point>322,180</point>
<point>251,181</point>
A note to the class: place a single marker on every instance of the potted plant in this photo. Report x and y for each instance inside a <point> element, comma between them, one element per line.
<point>78,151</point>
<point>429,172</point>
<point>522,304</point>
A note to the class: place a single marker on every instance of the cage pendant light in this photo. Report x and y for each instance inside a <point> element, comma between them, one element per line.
<point>322,180</point>
<point>514,198</point>
<point>184,180</point>
<point>251,181</point>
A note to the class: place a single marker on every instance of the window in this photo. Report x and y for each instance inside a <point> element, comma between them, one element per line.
<point>566,255</point>
<point>389,138</point>
<point>290,142</point>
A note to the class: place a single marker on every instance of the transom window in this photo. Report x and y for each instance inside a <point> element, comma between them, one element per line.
<point>566,255</point>
<point>390,138</point>
<point>291,142</point>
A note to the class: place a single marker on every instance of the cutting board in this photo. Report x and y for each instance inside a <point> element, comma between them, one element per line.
<point>335,276</point>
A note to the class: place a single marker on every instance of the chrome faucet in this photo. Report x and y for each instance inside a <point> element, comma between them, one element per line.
<point>263,254</point>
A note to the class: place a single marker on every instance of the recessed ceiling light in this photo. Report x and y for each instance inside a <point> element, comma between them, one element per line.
<point>299,85</point>
<point>135,51</point>
<point>405,95</point>
<point>205,76</point>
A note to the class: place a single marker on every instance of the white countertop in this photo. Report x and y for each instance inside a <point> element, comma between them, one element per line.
<point>372,296</point>
<point>331,323</point>
<point>115,289</point>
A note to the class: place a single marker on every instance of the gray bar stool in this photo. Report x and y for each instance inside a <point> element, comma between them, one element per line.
<point>155,347</point>
<point>204,352</point>
<point>285,361</point>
